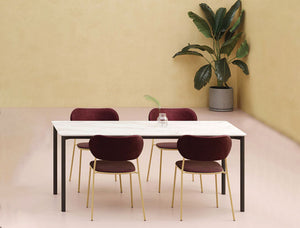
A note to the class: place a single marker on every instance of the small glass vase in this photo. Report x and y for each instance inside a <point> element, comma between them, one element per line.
<point>162,119</point>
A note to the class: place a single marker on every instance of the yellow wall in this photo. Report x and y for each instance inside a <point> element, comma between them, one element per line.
<point>111,52</point>
<point>69,53</point>
<point>272,91</point>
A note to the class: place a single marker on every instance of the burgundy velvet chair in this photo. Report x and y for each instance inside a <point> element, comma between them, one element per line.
<point>112,155</point>
<point>89,114</point>
<point>179,114</point>
<point>200,154</point>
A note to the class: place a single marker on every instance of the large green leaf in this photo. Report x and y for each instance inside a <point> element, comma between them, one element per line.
<point>200,47</point>
<point>202,76</point>
<point>229,45</point>
<point>229,15</point>
<point>238,22</point>
<point>209,14</point>
<point>222,70</point>
<point>236,25</point>
<point>241,65</point>
<point>218,22</point>
<point>186,52</point>
<point>201,24</point>
<point>243,50</point>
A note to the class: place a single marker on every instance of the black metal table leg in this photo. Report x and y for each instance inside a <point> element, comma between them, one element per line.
<point>223,179</point>
<point>63,174</point>
<point>54,161</point>
<point>242,173</point>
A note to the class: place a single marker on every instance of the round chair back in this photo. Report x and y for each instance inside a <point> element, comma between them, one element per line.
<point>94,114</point>
<point>116,148</point>
<point>173,114</point>
<point>204,148</point>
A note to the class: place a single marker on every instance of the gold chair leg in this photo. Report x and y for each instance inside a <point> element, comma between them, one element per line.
<point>121,189</point>
<point>93,187</point>
<point>201,184</point>
<point>193,178</point>
<point>217,201</point>
<point>229,190</point>
<point>88,193</point>
<point>130,176</point>
<point>72,160</point>
<point>150,160</point>
<point>79,171</point>
<point>181,189</point>
<point>115,177</point>
<point>172,205</point>
<point>160,164</point>
<point>139,176</point>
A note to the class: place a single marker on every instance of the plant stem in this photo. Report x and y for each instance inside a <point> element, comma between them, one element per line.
<point>213,67</point>
<point>219,55</point>
<point>231,60</point>
<point>220,83</point>
<point>207,60</point>
<point>212,56</point>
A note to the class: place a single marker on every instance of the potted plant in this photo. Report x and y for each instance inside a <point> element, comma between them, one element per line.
<point>162,117</point>
<point>223,32</point>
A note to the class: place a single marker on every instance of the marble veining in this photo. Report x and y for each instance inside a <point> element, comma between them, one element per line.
<point>146,128</point>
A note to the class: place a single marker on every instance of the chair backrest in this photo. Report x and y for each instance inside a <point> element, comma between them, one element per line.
<point>173,114</point>
<point>94,114</point>
<point>116,148</point>
<point>204,148</point>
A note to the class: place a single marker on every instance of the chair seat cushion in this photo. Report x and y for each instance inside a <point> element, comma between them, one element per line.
<point>167,145</point>
<point>84,145</point>
<point>200,166</point>
<point>113,166</point>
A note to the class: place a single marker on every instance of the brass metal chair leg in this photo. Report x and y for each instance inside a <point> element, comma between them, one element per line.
<point>172,205</point>
<point>201,184</point>
<point>193,178</point>
<point>121,189</point>
<point>130,177</point>
<point>72,160</point>
<point>150,160</point>
<point>160,164</point>
<point>93,187</point>
<point>139,176</point>
<point>79,171</point>
<point>88,193</point>
<point>217,201</point>
<point>229,190</point>
<point>181,189</point>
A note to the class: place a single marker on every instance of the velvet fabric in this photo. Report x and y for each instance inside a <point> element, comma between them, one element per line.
<point>173,114</point>
<point>200,166</point>
<point>113,166</point>
<point>116,148</point>
<point>84,145</point>
<point>167,145</point>
<point>204,148</point>
<point>91,114</point>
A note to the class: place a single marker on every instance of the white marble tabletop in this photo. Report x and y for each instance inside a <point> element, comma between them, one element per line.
<point>146,128</point>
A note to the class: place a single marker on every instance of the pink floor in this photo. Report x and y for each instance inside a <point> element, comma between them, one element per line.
<point>26,200</point>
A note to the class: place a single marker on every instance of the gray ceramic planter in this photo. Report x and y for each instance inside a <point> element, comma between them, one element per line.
<point>220,99</point>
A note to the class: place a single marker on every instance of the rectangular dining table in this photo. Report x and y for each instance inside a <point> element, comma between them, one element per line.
<point>148,130</point>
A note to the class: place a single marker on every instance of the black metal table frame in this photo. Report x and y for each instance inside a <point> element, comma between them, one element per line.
<point>63,165</point>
